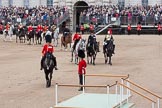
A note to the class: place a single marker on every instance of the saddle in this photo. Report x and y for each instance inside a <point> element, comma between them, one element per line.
<point>48,62</point>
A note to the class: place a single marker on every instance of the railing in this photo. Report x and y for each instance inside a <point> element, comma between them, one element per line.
<point>61,19</point>
<point>146,90</point>
<point>120,100</point>
<point>108,75</point>
<point>144,20</point>
<point>38,20</point>
<point>100,20</point>
<point>124,20</point>
<point>128,89</point>
<point>121,89</point>
<point>71,85</point>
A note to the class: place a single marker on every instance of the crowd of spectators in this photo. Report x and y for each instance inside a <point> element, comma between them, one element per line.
<point>130,14</point>
<point>100,15</point>
<point>36,15</point>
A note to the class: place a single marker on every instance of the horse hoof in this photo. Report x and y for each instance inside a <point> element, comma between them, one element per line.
<point>110,63</point>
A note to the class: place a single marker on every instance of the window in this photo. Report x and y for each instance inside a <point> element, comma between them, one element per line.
<point>49,2</point>
<point>10,2</point>
<point>26,3</point>
<point>144,2</point>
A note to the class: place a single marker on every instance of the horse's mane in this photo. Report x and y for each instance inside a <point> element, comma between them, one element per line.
<point>48,62</point>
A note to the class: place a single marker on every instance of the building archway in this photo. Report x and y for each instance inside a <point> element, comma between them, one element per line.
<point>79,7</point>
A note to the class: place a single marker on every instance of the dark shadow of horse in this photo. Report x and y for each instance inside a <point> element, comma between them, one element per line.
<point>91,53</point>
<point>68,40</point>
<point>81,45</point>
<point>48,66</point>
<point>108,51</point>
<point>30,37</point>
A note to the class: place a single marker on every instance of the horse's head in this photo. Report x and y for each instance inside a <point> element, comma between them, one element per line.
<point>48,62</point>
<point>109,46</point>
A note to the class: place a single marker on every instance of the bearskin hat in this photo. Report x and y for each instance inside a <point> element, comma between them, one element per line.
<point>81,54</point>
<point>48,38</point>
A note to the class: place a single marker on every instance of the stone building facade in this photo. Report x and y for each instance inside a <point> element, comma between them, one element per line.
<point>32,3</point>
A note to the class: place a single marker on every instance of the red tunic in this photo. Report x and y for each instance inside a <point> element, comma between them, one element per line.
<point>76,36</point>
<point>82,67</point>
<point>30,28</point>
<point>1,27</point>
<point>109,31</point>
<point>91,27</point>
<point>129,28</point>
<point>39,28</point>
<point>138,27</point>
<point>45,28</point>
<point>159,27</point>
<point>81,27</point>
<point>7,27</point>
<point>47,48</point>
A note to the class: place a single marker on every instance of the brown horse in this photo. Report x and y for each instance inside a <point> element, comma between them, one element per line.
<point>68,40</point>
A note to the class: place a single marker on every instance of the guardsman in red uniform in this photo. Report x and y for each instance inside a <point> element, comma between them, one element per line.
<point>7,27</point>
<point>1,28</point>
<point>30,28</point>
<point>91,27</point>
<point>81,67</point>
<point>48,47</point>
<point>159,28</point>
<point>45,28</point>
<point>39,28</point>
<point>82,28</point>
<point>129,29</point>
<point>139,28</point>
<point>77,37</point>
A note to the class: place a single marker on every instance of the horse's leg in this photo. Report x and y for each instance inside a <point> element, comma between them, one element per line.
<point>110,60</point>
<point>105,58</point>
<point>24,39</point>
<point>94,57</point>
<point>65,46</point>
<point>47,78</point>
<point>33,40</point>
<point>87,59</point>
<point>40,40</point>
<point>20,39</point>
<point>76,59</point>
<point>50,78</point>
<point>91,59</point>
<point>16,39</point>
<point>72,56</point>
<point>57,42</point>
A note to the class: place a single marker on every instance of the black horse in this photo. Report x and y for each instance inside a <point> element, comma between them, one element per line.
<point>20,34</point>
<point>48,66</point>
<point>30,36</point>
<point>108,51</point>
<point>38,37</point>
<point>91,52</point>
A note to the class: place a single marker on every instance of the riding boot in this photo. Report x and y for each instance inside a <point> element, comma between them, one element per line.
<point>103,48</point>
<point>113,49</point>
<point>42,62</point>
<point>55,62</point>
